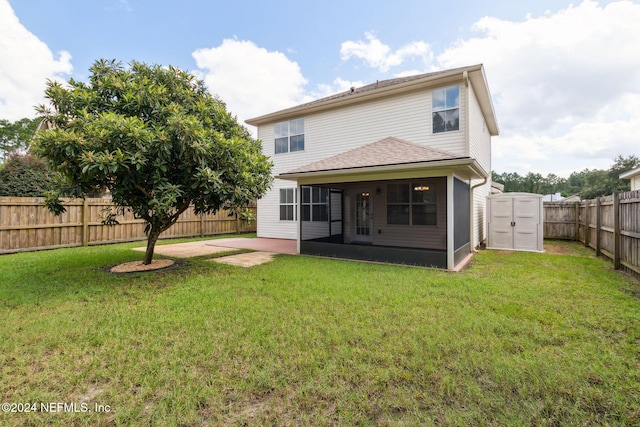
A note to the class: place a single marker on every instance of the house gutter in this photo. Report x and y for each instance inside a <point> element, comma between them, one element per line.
<point>352,173</point>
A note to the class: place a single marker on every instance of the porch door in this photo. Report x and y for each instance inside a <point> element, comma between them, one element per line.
<point>364,217</point>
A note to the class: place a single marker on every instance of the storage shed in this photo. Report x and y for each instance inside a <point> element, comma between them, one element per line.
<point>515,222</point>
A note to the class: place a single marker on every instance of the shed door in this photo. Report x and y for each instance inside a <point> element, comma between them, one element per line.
<point>525,230</point>
<point>500,230</point>
<point>514,223</point>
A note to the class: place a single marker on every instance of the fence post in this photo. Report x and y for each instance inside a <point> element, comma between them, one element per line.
<point>598,225</point>
<point>85,222</point>
<point>577,233</point>
<point>587,228</point>
<point>202,225</point>
<point>616,231</point>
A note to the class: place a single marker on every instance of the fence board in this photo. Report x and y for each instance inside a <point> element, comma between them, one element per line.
<point>27,225</point>
<point>610,225</point>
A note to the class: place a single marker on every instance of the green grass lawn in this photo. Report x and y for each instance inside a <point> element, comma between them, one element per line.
<point>515,339</point>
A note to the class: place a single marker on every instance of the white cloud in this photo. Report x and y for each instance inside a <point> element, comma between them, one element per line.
<point>338,85</point>
<point>378,55</point>
<point>251,80</point>
<point>26,65</point>
<point>565,84</point>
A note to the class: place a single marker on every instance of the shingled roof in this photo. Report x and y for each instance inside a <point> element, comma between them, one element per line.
<point>386,152</point>
<point>377,85</point>
<point>383,88</point>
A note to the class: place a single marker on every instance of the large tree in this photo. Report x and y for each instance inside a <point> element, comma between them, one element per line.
<point>25,175</point>
<point>156,139</point>
<point>16,136</point>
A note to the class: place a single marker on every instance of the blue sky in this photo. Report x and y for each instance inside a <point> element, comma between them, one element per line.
<point>560,73</point>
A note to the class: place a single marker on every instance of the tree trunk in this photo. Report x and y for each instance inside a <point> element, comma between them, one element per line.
<point>151,244</point>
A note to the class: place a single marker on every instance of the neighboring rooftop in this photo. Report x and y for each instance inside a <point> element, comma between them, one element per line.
<point>630,174</point>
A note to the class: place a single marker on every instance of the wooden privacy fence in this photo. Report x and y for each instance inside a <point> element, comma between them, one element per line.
<point>610,225</point>
<point>26,225</point>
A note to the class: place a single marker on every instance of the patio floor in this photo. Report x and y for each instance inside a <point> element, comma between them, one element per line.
<point>265,248</point>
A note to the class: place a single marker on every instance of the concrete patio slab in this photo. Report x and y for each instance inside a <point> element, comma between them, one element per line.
<point>279,246</point>
<point>187,250</point>
<point>246,260</point>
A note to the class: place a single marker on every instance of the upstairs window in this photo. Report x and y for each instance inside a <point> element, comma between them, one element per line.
<point>446,109</point>
<point>289,136</point>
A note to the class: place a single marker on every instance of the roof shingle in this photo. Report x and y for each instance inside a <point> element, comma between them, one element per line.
<point>388,151</point>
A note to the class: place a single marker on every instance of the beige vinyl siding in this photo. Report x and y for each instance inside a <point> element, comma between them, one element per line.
<point>479,149</point>
<point>268,217</point>
<point>479,137</point>
<point>406,116</point>
<point>480,211</point>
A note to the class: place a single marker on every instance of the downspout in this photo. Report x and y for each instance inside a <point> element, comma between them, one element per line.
<point>473,187</point>
<point>465,77</point>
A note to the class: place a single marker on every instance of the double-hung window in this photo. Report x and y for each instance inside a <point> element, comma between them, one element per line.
<point>412,204</point>
<point>289,136</point>
<point>287,204</point>
<point>446,109</point>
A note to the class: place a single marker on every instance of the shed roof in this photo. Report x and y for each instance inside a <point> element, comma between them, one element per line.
<point>630,174</point>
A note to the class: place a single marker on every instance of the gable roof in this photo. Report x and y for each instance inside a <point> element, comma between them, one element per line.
<point>390,151</point>
<point>474,74</point>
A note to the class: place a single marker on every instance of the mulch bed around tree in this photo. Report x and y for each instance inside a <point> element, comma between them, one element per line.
<point>137,266</point>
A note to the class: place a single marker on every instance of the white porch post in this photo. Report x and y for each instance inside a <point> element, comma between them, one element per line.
<point>298,211</point>
<point>450,241</point>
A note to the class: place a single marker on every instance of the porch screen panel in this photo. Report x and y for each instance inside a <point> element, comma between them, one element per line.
<point>461,213</point>
<point>314,214</point>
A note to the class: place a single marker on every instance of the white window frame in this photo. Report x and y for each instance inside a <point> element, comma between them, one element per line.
<point>288,202</point>
<point>289,133</point>
<point>443,108</point>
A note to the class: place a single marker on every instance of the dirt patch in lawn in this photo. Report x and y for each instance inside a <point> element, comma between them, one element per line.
<point>137,266</point>
<point>565,248</point>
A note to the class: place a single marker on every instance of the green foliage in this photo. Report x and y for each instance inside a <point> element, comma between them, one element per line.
<point>588,184</point>
<point>16,136</point>
<point>25,176</point>
<point>156,139</point>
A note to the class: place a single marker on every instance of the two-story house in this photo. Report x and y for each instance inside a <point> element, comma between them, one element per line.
<point>395,171</point>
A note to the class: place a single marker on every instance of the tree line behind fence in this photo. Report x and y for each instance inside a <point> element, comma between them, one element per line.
<point>26,225</point>
<point>610,225</point>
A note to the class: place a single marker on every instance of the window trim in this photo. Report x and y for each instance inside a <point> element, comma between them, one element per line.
<point>287,203</point>
<point>291,140</point>
<point>445,109</point>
